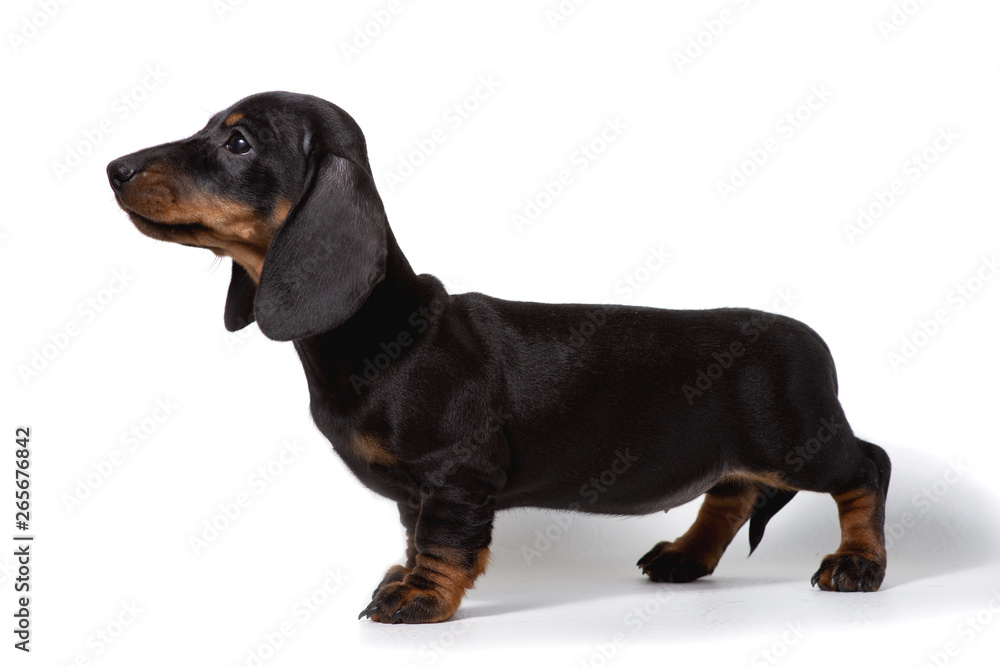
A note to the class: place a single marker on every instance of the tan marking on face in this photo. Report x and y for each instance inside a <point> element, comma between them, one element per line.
<point>232,119</point>
<point>368,448</point>
<point>169,207</point>
<point>280,212</point>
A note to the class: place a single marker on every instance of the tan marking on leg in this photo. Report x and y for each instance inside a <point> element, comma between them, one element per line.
<point>719,519</point>
<point>860,560</point>
<point>411,550</point>
<point>450,573</point>
<point>860,532</point>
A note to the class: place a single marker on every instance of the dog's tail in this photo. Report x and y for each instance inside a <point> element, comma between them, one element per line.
<point>769,502</point>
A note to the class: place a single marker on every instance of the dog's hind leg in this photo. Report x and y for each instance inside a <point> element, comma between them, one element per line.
<point>856,473</point>
<point>727,506</point>
<point>859,562</point>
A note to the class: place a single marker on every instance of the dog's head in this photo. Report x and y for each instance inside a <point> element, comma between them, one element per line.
<point>280,182</point>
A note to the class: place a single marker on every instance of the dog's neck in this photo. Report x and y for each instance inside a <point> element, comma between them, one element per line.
<point>379,336</point>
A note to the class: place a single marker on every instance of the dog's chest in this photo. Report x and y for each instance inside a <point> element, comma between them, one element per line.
<point>369,461</point>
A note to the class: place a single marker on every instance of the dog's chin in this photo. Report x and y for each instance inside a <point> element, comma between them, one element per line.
<point>185,233</point>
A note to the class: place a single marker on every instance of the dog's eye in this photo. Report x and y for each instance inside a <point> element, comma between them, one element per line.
<point>238,144</point>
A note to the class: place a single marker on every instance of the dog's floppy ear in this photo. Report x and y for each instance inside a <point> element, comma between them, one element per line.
<point>239,300</point>
<point>327,256</point>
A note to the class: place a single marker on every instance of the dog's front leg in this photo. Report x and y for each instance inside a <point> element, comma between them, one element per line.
<point>408,513</point>
<point>452,537</point>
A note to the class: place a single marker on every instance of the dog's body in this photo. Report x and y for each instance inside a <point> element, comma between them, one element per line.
<point>457,406</point>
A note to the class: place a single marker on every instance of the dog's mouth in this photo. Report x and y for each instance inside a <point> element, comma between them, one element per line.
<point>179,232</point>
<point>225,227</point>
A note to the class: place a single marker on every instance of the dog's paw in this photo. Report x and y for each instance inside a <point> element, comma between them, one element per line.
<point>847,572</point>
<point>665,563</point>
<point>400,602</point>
<point>392,575</point>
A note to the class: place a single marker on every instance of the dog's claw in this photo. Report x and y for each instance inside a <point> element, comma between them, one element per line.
<point>664,563</point>
<point>369,610</point>
<point>403,603</point>
<point>849,572</point>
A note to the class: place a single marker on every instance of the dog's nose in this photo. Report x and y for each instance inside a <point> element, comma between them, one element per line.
<point>119,173</point>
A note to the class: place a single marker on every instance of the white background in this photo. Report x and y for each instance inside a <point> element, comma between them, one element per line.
<point>888,93</point>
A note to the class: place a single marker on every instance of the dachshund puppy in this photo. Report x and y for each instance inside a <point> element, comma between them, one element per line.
<point>458,406</point>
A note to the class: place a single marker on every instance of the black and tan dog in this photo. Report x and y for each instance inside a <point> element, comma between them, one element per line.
<point>457,406</point>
